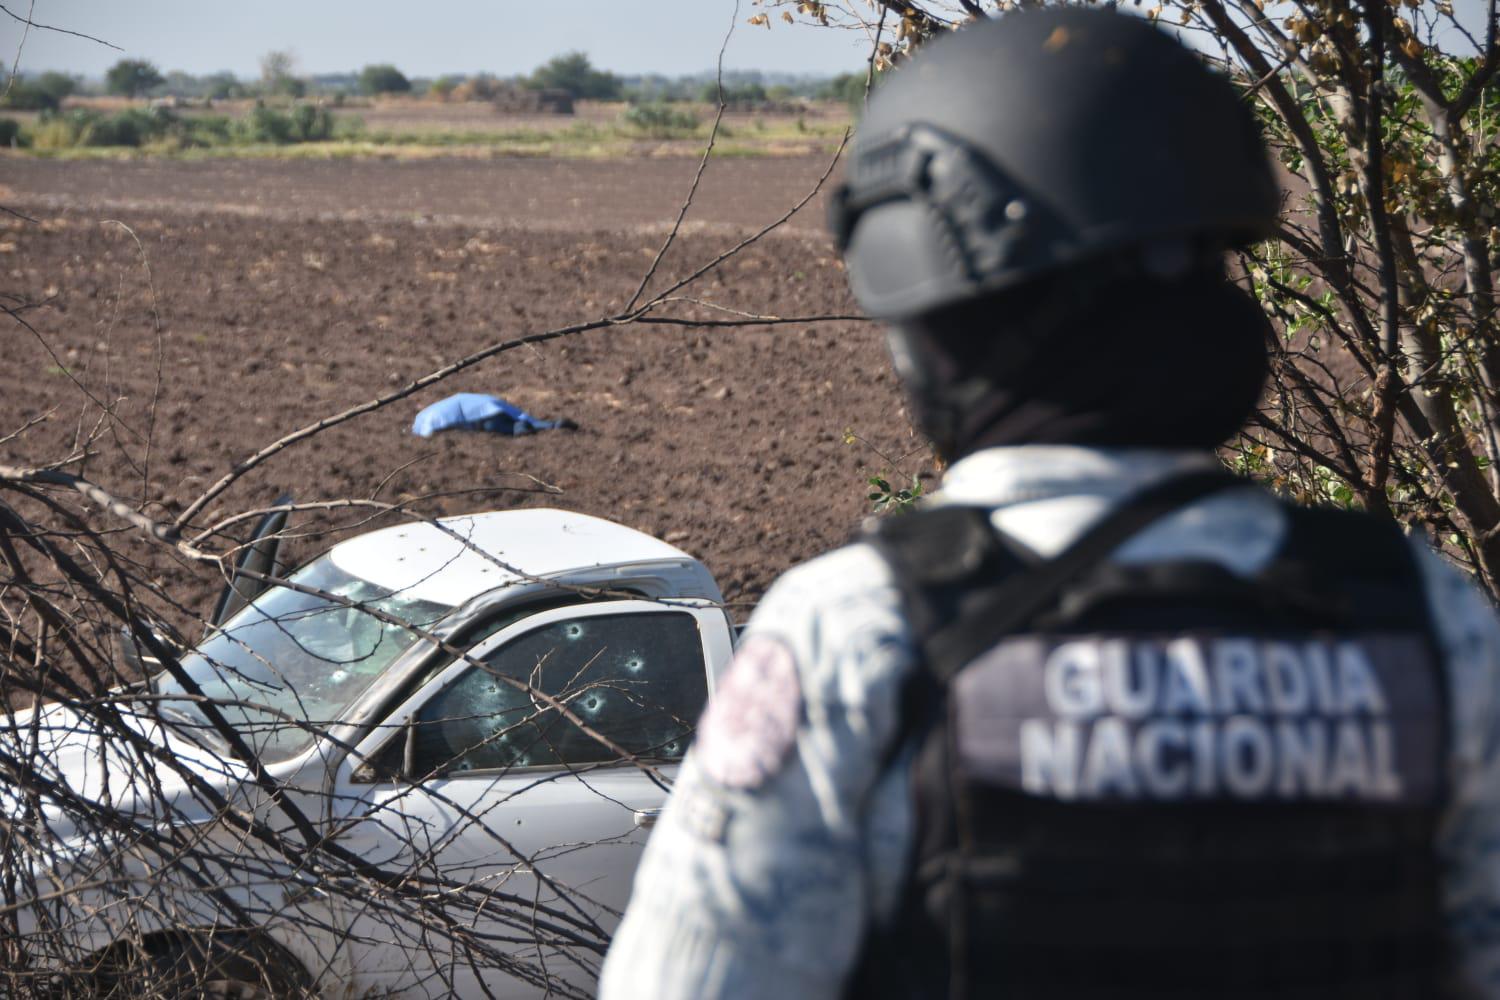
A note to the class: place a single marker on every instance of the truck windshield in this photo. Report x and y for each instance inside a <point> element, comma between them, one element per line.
<point>290,663</point>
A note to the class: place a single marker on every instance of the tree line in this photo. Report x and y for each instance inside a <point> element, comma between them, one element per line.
<point>572,73</point>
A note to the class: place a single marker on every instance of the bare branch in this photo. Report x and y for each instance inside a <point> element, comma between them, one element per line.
<point>62,31</point>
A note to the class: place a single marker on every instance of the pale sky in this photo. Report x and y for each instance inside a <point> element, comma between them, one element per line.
<point>423,39</point>
<point>504,37</point>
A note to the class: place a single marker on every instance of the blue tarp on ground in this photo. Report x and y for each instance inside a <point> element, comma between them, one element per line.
<point>474,411</point>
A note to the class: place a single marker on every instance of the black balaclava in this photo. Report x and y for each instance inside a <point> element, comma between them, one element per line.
<point>1124,361</point>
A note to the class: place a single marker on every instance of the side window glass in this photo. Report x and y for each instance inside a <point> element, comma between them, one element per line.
<point>636,679</point>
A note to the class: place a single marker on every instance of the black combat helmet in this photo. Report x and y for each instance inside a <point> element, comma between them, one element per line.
<point>1018,147</point>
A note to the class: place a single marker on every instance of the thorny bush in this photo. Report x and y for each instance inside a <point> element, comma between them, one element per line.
<point>1385,392</point>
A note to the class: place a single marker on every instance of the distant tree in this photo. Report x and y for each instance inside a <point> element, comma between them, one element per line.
<point>479,87</point>
<point>846,87</point>
<point>278,74</point>
<point>45,93</point>
<point>182,84</point>
<point>383,78</point>
<point>223,86</point>
<point>23,95</point>
<point>574,73</point>
<point>734,93</point>
<point>56,86</point>
<point>654,88</point>
<point>132,77</point>
<point>442,88</point>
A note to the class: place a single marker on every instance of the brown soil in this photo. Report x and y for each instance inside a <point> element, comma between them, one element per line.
<point>278,305</point>
<point>570,196</point>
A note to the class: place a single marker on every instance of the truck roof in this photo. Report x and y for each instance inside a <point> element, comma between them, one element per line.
<point>427,563</point>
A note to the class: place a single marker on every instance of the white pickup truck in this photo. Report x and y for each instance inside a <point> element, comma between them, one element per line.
<point>528,768</point>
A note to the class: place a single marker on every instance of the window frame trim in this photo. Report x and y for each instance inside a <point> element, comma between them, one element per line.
<point>397,724</point>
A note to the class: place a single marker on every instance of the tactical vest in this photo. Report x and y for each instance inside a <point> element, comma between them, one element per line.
<point>1166,780</point>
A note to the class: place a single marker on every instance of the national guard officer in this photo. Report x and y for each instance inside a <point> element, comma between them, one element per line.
<point>1100,721</point>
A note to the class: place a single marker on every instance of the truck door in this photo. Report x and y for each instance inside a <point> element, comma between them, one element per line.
<point>516,790</point>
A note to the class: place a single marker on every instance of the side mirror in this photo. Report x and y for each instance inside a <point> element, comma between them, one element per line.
<point>257,557</point>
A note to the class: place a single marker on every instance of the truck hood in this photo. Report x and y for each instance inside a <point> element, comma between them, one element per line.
<point>88,762</point>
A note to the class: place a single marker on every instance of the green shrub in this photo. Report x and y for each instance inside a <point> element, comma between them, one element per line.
<point>264,124</point>
<point>53,133</point>
<point>661,121</point>
<point>311,123</point>
<point>82,127</point>
<point>347,128</point>
<point>131,127</point>
<point>163,130</point>
<point>303,123</point>
<point>201,131</point>
<point>10,133</point>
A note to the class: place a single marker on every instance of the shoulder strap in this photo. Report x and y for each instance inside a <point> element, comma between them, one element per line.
<point>947,645</point>
<point>939,555</point>
<point>1364,569</point>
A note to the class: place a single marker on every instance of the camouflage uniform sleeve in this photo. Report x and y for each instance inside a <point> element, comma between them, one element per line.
<point>1469,841</point>
<point>760,872</point>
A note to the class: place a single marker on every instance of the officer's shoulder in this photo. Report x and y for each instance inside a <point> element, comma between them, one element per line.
<point>840,617</point>
<point>853,572</point>
<point>939,535</point>
<point>1458,606</point>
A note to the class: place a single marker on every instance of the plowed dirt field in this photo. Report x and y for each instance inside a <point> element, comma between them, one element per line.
<point>188,314</point>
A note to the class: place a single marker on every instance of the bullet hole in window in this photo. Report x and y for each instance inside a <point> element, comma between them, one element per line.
<point>573,630</point>
<point>338,677</point>
<point>635,664</point>
<point>464,765</point>
<point>592,703</point>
